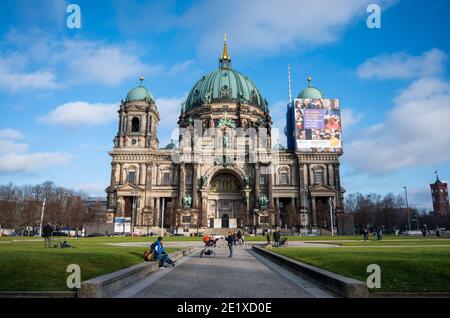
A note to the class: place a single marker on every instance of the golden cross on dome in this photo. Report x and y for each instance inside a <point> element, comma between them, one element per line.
<point>225,55</point>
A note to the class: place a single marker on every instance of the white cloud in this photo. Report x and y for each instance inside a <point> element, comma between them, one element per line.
<point>401,65</point>
<point>41,62</point>
<point>169,109</point>
<point>15,77</point>
<point>180,67</point>
<point>349,118</point>
<point>15,158</point>
<point>102,63</point>
<point>92,188</point>
<point>420,198</point>
<point>82,113</point>
<point>416,131</point>
<point>11,134</point>
<point>266,26</point>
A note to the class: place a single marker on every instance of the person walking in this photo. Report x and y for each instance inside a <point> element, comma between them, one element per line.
<point>365,234</point>
<point>47,232</point>
<point>277,236</point>
<point>234,239</point>
<point>230,241</point>
<point>239,237</point>
<point>268,237</point>
<point>161,254</point>
<point>380,233</point>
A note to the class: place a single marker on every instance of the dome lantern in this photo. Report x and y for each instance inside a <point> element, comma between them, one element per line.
<point>225,59</point>
<point>310,92</point>
<point>139,93</point>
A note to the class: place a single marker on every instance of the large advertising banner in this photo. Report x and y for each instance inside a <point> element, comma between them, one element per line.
<point>318,125</point>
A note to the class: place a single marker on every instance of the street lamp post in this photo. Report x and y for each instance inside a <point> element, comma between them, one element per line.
<point>407,209</point>
<point>133,216</point>
<point>42,217</point>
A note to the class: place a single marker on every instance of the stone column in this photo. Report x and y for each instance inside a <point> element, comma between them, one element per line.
<point>204,210</point>
<point>247,210</point>
<point>152,202</point>
<point>257,174</point>
<point>141,174</point>
<point>113,174</point>
<point>195,187</point>
<point>182,184</point>
<point>270,188</point>
<point>148,176</point>
<point>121,173</point>
<point>158,212</point>
<point>339,203</point>
<point>314,214</point>
<point>277,212</point>
<point>331,174</point>
<point>120,124</point>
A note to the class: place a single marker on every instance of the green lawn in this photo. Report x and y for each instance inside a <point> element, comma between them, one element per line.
<point>28,266</point>
<point>408,242</point>
<point>404,269</point>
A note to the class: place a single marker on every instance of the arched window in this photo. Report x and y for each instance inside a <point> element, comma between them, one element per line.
<point>283,174</point>
<point>135,124</point>
<point>318,176</point>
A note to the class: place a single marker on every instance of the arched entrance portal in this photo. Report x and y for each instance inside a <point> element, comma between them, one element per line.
<point>225,201</point>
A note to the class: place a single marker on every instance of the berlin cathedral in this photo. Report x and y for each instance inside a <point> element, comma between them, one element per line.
<point>224,172</point>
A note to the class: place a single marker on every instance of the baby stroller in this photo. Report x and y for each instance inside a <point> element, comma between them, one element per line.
<point>211,243</point>
<point>207,249</point>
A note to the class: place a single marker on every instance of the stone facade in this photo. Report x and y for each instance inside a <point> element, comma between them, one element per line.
<point>217,177</point>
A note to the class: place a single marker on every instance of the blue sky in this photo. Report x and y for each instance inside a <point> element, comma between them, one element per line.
<point>60,87</point>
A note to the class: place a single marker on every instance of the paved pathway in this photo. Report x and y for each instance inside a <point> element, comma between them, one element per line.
<point>245,275</point>
<point>222,243</point>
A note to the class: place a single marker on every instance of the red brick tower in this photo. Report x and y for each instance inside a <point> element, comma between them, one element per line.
<point>439,194</point>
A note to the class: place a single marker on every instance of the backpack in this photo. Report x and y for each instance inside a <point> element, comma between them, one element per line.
<point>151,255</point>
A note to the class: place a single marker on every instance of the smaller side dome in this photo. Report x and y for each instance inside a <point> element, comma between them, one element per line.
<point>171,145</point>
<point>139,93</point>
<point>279,147</point>
<point>310,92</point>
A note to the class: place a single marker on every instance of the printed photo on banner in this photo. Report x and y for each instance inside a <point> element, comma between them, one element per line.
<point>318,125</point>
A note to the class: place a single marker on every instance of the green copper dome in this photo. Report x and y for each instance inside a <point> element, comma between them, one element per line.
<point>139,93</point>
<point>171,145</point>
<point>224,85</point>
<point>310,92</point>
<point>279,147</point>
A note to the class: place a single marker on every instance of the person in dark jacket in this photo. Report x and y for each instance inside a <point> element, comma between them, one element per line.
<point>47,232</point>
<point>268,236</point>
<point>230,241</point>
<point>276,237</point>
